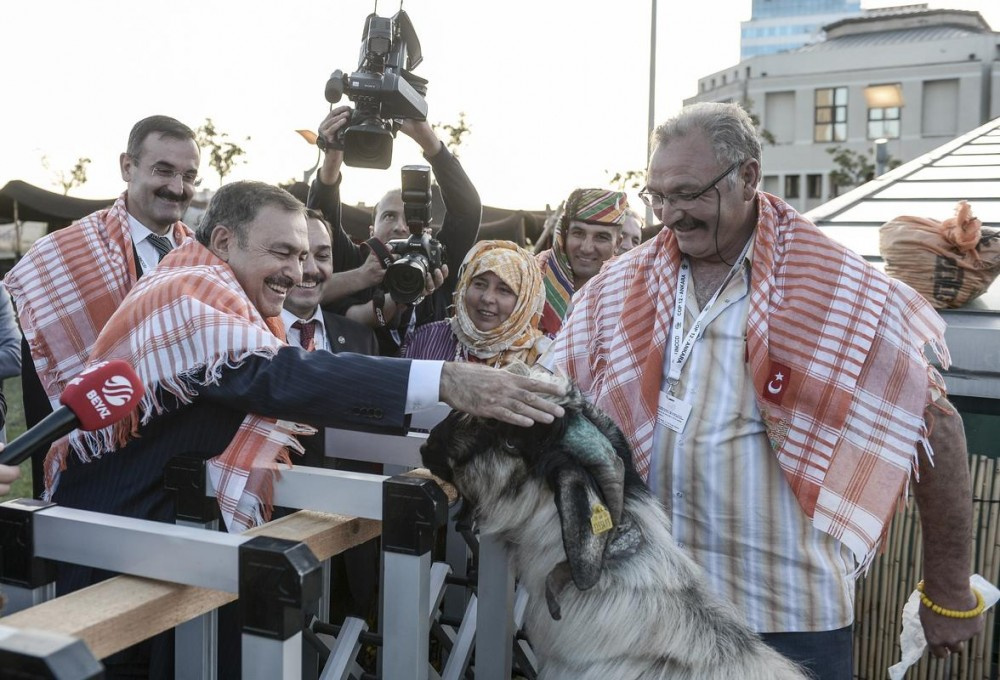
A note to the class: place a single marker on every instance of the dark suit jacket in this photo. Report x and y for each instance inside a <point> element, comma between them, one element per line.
<point>318,388</point>
<point>343,335</point>
<point>347,335</point>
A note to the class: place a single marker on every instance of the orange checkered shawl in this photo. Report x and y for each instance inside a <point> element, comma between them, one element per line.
<point>846,430</point>
<point>179,327</point>
<point>68,285</point>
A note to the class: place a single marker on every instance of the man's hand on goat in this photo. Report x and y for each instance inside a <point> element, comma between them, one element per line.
<point>491,393</point>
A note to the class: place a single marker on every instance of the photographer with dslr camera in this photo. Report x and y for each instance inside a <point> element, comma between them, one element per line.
<point>361,270</point>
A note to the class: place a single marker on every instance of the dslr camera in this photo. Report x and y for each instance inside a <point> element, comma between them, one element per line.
<point>420,253</point>
<point>383,90</point>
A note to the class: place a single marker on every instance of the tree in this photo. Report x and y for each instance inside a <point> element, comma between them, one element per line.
<point>222,153</point>
<point>454,133</point>
<point>630,179</point>
<point>853,167</point>
<point>76,177</point>
<point>765,135</point>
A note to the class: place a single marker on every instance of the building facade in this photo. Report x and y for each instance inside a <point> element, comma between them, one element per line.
<point>779,25</point>
<point>912,77</point>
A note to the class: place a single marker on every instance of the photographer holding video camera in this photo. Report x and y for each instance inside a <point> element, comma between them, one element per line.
<point>363,270</point>
<point>387,98</point>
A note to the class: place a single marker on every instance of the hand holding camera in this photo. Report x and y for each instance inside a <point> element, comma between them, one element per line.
<point>420,255</point>
<point>383,89</point>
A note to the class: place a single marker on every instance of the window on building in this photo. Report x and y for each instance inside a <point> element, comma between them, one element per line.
<point>779,116</point>
<point>771,184</point>
<point>883,123</point>
<point>830,118</point>
<point>884,106</point>
<point>814,186</point>
<point>791,186</point>
<point>940,108</point>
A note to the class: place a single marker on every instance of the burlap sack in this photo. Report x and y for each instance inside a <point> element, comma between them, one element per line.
<point>950,263</point>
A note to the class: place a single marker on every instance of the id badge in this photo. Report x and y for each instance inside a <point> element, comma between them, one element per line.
<point>672,412</point>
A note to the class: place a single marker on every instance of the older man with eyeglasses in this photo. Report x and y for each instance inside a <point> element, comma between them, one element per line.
<point>69,283</point>
<point>775,391</point>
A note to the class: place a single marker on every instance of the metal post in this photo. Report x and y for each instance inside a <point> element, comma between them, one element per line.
<point>279,582</point>
<point>40,655</point>
<point>494,617</point>
<point>880,151</point>
<point>196,642</point>
<point>651,117</point>
<point>26,578</point>
<point>413,510</point>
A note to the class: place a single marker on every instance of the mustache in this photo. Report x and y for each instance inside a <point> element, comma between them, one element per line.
<point>171,196</point>
<point>280,281</point>
<point>312,278</point>
<point>688,222</point>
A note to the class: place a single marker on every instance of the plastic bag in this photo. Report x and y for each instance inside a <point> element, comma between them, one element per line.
<point>950,263</point>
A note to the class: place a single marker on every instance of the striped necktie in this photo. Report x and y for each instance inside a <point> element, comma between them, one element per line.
<point>162,244</point>
<point>307,334</point>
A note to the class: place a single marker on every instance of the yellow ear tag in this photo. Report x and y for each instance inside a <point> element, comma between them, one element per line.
<point>600,520</point>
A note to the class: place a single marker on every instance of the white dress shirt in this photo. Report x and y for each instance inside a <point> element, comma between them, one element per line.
<point>423,386</point>
<point>149,257</point>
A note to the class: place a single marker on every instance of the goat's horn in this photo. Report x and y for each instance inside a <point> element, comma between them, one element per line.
<point>589,447</point>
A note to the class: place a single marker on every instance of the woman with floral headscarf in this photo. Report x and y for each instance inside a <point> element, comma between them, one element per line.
<point>498,303</point>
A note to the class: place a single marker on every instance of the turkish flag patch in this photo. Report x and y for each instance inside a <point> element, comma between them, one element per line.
<point>778,379</point>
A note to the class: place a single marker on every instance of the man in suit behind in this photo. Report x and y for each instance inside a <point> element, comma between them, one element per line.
<point>354,574</point>
<point>313,328</point>
<point>70,282</point>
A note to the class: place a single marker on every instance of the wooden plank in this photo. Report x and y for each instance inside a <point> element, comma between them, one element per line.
<point>117,613</point>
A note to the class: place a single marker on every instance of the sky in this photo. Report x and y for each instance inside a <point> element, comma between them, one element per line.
<point>555,92</point>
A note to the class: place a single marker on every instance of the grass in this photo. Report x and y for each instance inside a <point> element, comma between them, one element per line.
<point>15,426</point>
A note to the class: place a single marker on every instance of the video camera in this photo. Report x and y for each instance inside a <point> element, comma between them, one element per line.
<point>383,89</point>
<point>420,253</point>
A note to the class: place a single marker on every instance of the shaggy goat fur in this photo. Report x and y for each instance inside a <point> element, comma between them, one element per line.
<point>636,606</point>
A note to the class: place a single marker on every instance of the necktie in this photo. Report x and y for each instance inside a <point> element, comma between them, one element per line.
<point>307,334</point>
<point>162,244</point>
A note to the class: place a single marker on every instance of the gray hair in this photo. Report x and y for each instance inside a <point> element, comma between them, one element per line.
<point>728,128</point>
<point>165,126</point>
<point>237,204</point>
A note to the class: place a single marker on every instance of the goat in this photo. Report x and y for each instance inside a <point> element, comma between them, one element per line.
<point>617,603</point>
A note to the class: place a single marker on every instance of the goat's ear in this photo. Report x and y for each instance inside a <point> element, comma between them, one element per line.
<point>584,538</point>
<point>586,444</point>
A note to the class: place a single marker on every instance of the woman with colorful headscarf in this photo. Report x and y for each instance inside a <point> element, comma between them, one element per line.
<point>498,303</point>
<point>588,232</point>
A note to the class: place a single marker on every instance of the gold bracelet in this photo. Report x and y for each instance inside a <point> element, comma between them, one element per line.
<point>952,613</point>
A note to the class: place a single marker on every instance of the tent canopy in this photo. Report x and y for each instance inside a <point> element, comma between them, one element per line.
<point>38,205</point>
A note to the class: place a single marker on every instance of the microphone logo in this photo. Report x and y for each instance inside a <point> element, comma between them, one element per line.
<point>117,390</point>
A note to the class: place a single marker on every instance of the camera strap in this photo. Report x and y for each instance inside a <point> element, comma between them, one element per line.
<point>381,252</point>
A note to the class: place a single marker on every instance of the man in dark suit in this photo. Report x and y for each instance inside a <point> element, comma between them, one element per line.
<point>221,386</point>
<point>202,342</point>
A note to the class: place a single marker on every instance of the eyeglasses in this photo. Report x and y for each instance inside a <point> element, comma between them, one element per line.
<point>191,177</point>
<point>683,199</point>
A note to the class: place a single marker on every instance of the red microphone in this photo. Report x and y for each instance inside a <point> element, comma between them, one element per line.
<point>100,396</point>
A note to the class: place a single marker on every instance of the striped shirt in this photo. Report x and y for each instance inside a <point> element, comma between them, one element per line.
<point>724,489</point>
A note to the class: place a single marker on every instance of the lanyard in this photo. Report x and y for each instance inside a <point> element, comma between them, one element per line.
<point>680,350</point>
